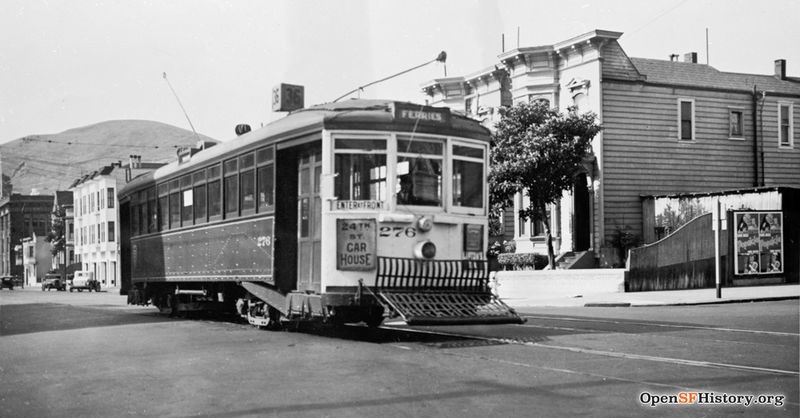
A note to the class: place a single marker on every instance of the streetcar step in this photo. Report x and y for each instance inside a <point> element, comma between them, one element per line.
<point>449,308</point>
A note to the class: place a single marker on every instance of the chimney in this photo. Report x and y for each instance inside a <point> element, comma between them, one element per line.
<point>135,161</point>
<point>780,69</point>
<point>673,57</point>
<point>690,57</point>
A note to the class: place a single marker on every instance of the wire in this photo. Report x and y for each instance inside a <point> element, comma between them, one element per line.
<point>659,16</point>
<point>50,141</point>
<point>442,57</point>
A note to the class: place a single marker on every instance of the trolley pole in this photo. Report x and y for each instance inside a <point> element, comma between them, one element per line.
<point>716,218</point>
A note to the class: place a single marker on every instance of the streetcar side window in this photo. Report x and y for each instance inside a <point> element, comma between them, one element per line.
<point>468,184</point>
<point>247,183</point>
<point>360,166</point>
<point>142,211</point>
<point>152,223</point>
<point>134,214</point>
<point>199,194</point>
<point>187,200</point>
<point>231,188</point>
<point>214,193</point>
<point>163,206</point>
<point>419,171</point>
<point>174,204</point>
<point>265,180</point>
<point>266,196</point>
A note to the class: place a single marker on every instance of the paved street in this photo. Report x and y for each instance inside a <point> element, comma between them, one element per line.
<point>89,354</point>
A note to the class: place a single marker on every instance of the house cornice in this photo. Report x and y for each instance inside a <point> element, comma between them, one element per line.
<point>749,91</point>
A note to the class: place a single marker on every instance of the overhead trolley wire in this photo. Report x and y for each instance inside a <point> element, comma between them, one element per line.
<point>50,141</point>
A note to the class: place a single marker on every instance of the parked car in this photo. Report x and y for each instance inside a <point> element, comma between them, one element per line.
<point>7,281</point>
<point>84,280</point>
<point>53,281</point>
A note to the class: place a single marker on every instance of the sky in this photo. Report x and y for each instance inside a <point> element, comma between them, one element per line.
<point>68,64</point>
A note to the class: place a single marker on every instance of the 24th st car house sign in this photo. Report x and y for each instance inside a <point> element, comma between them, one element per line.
<point>355,244</point>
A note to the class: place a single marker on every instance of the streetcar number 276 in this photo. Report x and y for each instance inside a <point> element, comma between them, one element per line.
<point>397,231</point>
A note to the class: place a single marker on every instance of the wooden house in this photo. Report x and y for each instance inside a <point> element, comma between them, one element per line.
<point>669,126</point>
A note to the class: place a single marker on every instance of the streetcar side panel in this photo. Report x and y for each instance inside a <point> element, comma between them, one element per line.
<point>237,251</point>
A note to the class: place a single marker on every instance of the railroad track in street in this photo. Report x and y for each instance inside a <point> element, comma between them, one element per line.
<point>622,355</point>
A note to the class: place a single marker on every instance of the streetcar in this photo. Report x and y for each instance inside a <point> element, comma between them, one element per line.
<point>342,212</point>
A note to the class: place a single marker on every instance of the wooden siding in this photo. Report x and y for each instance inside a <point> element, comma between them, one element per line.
<point>781,165</point>
<point>643,156</point>
<point>616,63</point>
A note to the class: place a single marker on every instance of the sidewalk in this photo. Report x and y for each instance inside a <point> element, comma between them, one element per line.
<point>661,298</point>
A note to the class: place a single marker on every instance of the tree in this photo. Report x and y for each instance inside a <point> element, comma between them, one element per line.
<point>57,236</point>
<point>537,150</point>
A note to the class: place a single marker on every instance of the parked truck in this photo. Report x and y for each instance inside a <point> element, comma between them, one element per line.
<point>53,281</point>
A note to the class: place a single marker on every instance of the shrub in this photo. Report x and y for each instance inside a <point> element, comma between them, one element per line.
<point>494,250</point>
<point>522,261</point>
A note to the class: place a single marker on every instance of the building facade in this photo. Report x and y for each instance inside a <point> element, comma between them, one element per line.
<point>669,127</point>
<point>21,216</point>
<point>96,224</point>
<point>36,259</point>
<point>96,218</point>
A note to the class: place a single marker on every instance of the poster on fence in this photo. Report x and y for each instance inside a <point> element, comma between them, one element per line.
<point>758,243</point>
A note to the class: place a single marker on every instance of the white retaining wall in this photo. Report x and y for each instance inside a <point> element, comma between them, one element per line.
<point>520,287</point>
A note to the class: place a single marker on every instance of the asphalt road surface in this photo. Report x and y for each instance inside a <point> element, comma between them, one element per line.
<point>89,354</point>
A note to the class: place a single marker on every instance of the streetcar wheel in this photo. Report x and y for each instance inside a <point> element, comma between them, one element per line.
<point>374,321</point>
<point>274,319</point>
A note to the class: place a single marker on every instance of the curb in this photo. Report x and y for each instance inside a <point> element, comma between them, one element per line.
<point>714,302</point>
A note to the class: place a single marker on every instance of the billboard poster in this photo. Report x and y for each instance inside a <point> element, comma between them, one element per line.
<point>758,243</point>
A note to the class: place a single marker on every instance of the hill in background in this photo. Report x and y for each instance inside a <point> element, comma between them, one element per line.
<point>52,162</point>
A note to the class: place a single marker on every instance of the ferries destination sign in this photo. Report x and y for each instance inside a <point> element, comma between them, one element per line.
<point>411,113</point>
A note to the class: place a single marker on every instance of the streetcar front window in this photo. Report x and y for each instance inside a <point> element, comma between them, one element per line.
<point>419,172</point>
<point>468,181</point>
<point>360,166</point>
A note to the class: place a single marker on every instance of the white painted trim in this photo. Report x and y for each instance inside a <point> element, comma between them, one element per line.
<point>791,124</point>
<point>680,118</point>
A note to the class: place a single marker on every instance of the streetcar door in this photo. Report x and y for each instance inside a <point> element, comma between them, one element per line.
<point>309,219</point>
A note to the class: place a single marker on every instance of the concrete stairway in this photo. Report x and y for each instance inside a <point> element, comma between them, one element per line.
<point>575,260</point>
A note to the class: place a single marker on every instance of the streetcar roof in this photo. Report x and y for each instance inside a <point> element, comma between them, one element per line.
<point>355,114</point>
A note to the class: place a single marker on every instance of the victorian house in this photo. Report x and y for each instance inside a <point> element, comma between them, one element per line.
<point>670,126</point>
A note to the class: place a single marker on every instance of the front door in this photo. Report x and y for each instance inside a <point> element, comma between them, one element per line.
<point>582,232</point>
<point>309,208</point>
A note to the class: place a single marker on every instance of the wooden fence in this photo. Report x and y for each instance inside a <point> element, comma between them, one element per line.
<point>682,260</point>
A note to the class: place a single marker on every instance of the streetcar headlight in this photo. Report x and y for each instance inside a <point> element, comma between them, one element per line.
<point>425,250</point>
<point>424,224</point>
